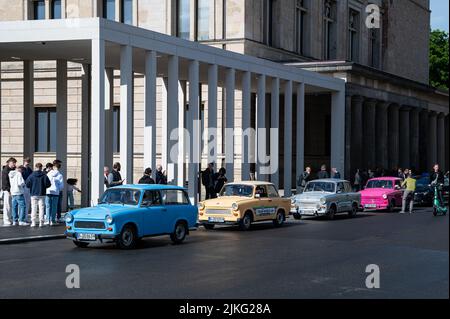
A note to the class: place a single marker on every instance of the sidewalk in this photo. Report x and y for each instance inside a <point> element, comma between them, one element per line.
<point>21,234</point>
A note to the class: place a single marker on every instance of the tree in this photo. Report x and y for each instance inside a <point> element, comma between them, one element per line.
<point>439,59</point>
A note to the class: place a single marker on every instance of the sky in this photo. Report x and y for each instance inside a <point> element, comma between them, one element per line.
<point>439,14</point>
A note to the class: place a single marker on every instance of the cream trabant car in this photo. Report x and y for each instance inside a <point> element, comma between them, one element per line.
<point>243,204</point>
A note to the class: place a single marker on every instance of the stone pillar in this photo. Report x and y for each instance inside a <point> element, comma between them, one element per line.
<point>275,124</point>
<point>404,137</point>
<point>382,135</point>
<point>338,130</point>
<point>393,122</point>
<point>126,113</point>
<point>229,122</point>
<point>414,126</point>
<point>261,150</point>
<point>356,134</point>
<point>288,138</point>
<point>85,138</point>
<point>212,113</point>
<point>300,152</point>
<point>370,138</point>
<point>61,120</point>
<point>150,110</point>
<point>171,116</point>
<point>423,141</point>
<point>247,139</point>
<point>196,139</point>
<point>109,101</point>
<point>348,136</point>
<point>28,109</point>
<point>97,119</point>
<point>441,140</point>
<point>432,139</point>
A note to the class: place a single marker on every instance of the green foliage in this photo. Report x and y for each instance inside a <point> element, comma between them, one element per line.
<point>439,59</point>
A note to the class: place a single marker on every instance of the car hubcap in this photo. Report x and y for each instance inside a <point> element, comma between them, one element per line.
<point>127,237</point>
<point>247,221</point>
<point>180,231</point>
<point>280,218</point>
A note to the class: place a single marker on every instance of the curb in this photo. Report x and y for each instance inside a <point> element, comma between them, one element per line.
<point>30,239</point>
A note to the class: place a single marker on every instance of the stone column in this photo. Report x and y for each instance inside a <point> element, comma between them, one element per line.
<point>404,137</point>
<point>338,130</point>
<point>348,136</point>
<point>28,109</point>
<point>150,110</point>
<point>393,122</point>
<point>300,152</point>
<point>196,140</point>
<point>85,138</point>
<point>212,113</point>
<point>382,135</point>
<point>414,127</point>
<point>275,124</point>
<point>441,140</point>
<point>288,138</point>
<point>261,150</point>
<point>432,139</point>
<point>229,122</point>
<point>356,134</point>
<point>171,116</point>
<point>97,119</point>
<point>423,141</point>
<point>370,137</point>
<point>109,101</point>
<point>61,119</point>
<point>247,139</point>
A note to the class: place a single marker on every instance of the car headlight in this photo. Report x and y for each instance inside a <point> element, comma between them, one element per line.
<point>201,205</point>
<point>323,200</point>
<point>235,206</point>
<point>109,219</point>
<point>384,196</point>
<point>68,218</point>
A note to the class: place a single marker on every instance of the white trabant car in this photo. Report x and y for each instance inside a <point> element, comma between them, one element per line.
<point>326,197</point>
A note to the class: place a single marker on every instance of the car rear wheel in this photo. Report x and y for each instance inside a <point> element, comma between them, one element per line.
<point>279,219</point>
<point>354,211</point>
<point>331,212</point>
<point>209,226</point>
<point>246,222</point>
<point>80,244</point>
<point>179,234</point>
<point>127,238</point>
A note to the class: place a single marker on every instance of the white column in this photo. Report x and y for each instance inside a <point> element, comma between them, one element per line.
<point>288,138</point>
<point>28,108</point>
<point>172,117</point>
<point>61,120</point>
<point>97,119</point>
<point>181,136</point>
<point>85,138</point>
<point>338,130</point>
<point>195,150</point>
<point>300,154</point>
<point>229,123</point>
<point>246,143</point>
<point>150,110</point>
<point>275,124</point>
<point>126,113</point>
<point>261,142</point>
<point>212,113</point>
<point>109,100</point>
<point>47,9</point>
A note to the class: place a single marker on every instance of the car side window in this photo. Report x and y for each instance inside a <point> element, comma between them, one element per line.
<point>398,184</point>
<point>174,197</point>
<point>261,190</point>
<point>271,190</point>
<point>151,198</point>
<point>348,187</point>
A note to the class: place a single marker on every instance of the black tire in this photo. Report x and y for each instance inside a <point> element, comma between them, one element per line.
<point>354,211</point>
<point>209,226</point>
<point>331,212</point>
<point>297,216</point>
<point>279,219</point>
<point>179,233</point>
<point>391,206</point>
<point>246,222</point>
<point>128,238</point>
<point>80,244</point>
<point>435,213</point>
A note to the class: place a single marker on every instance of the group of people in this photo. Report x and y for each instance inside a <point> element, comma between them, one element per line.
<point>39,191</point>
<point>213,181</point>
<point>307,176</point>
<point>113,177</point>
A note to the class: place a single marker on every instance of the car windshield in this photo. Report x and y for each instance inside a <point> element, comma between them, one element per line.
<point>237,190</point>
<point>121,196</point>
<point>320,187</point>
<point>380,184</point>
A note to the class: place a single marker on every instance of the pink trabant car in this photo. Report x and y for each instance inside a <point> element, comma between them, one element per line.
<point>383,193</point>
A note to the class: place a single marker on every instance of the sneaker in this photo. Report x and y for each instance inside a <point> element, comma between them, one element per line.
<point>24,224</point>
<point>46,223</point>
<point>15,223</point>
<point>41,224</point>
<point>33,224</point>
<point>401,212</point>
<point>53,223</point>
<point>7,224</point>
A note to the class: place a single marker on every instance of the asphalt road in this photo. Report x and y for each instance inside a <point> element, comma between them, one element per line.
<point>312,258</point>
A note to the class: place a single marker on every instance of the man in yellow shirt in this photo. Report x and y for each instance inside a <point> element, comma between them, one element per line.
<point>410,187</point>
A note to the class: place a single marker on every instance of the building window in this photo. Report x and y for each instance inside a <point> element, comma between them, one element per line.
<point>183,19</point>
<point>353,35</point>
<point>374,48</point>
<point>329,32</point>
<point>268,22</point>
<point>116,128</point>
<point>55,11</point>
<point>300,25</point>
<point>126,11</point>
<point>39,10</point>
<point>109,9</point>
<point>202,20</point>
<point>46,129</point>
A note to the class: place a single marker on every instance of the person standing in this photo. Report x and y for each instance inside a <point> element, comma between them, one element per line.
<point>358,182</point>
<point>208,181</point>
<point>161,177</point>
<point>323,174</point>
<point>147,178</point>
<point>401,174</point>
<point>60,198</point>
<point>220,179</point>
<point>303,179</point>
<point>71,189</point>
<point>37,183</point>
<point>26,191</point>
<point>105,176</point>
<point>56,187</point>
<point>6,188</point>
<point>437,177</point>
<point>335,174</point>
<point>115,178</point>
<point>408,195</point>
<point>19,214</point>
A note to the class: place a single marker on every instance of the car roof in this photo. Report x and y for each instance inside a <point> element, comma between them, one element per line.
<point>251,183</point>
<point>333,180</point>
<point>149,187</point>
<point>389,178</point>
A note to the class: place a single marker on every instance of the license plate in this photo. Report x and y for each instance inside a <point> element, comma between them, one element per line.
<point>307,212</point>
<point>216,220</point>
<point>89,237</point>
<point>370,206</point>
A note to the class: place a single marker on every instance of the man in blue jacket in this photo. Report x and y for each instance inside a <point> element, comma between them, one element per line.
<point>38,182</point>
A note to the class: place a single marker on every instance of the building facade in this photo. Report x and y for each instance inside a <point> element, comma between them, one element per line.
<point>392,117</point>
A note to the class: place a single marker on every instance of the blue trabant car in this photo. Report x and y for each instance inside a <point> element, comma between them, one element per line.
<point>127,213</point>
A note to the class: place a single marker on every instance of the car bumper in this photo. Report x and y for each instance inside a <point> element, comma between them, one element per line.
<point>308,212</point>
<point>100,237</point>
<point>374,206</point>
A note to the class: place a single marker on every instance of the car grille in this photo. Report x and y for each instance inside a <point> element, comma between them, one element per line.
<point>218,212</point>
<point>304,205</point>
<point>89,225</point>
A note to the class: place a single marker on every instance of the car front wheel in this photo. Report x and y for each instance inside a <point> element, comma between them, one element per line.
<point>331,213</point>
<point>127,238</point>
<point>279,220</point>
<point>179,234</point>
<point>354,211</point>
<point>246,222</point>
